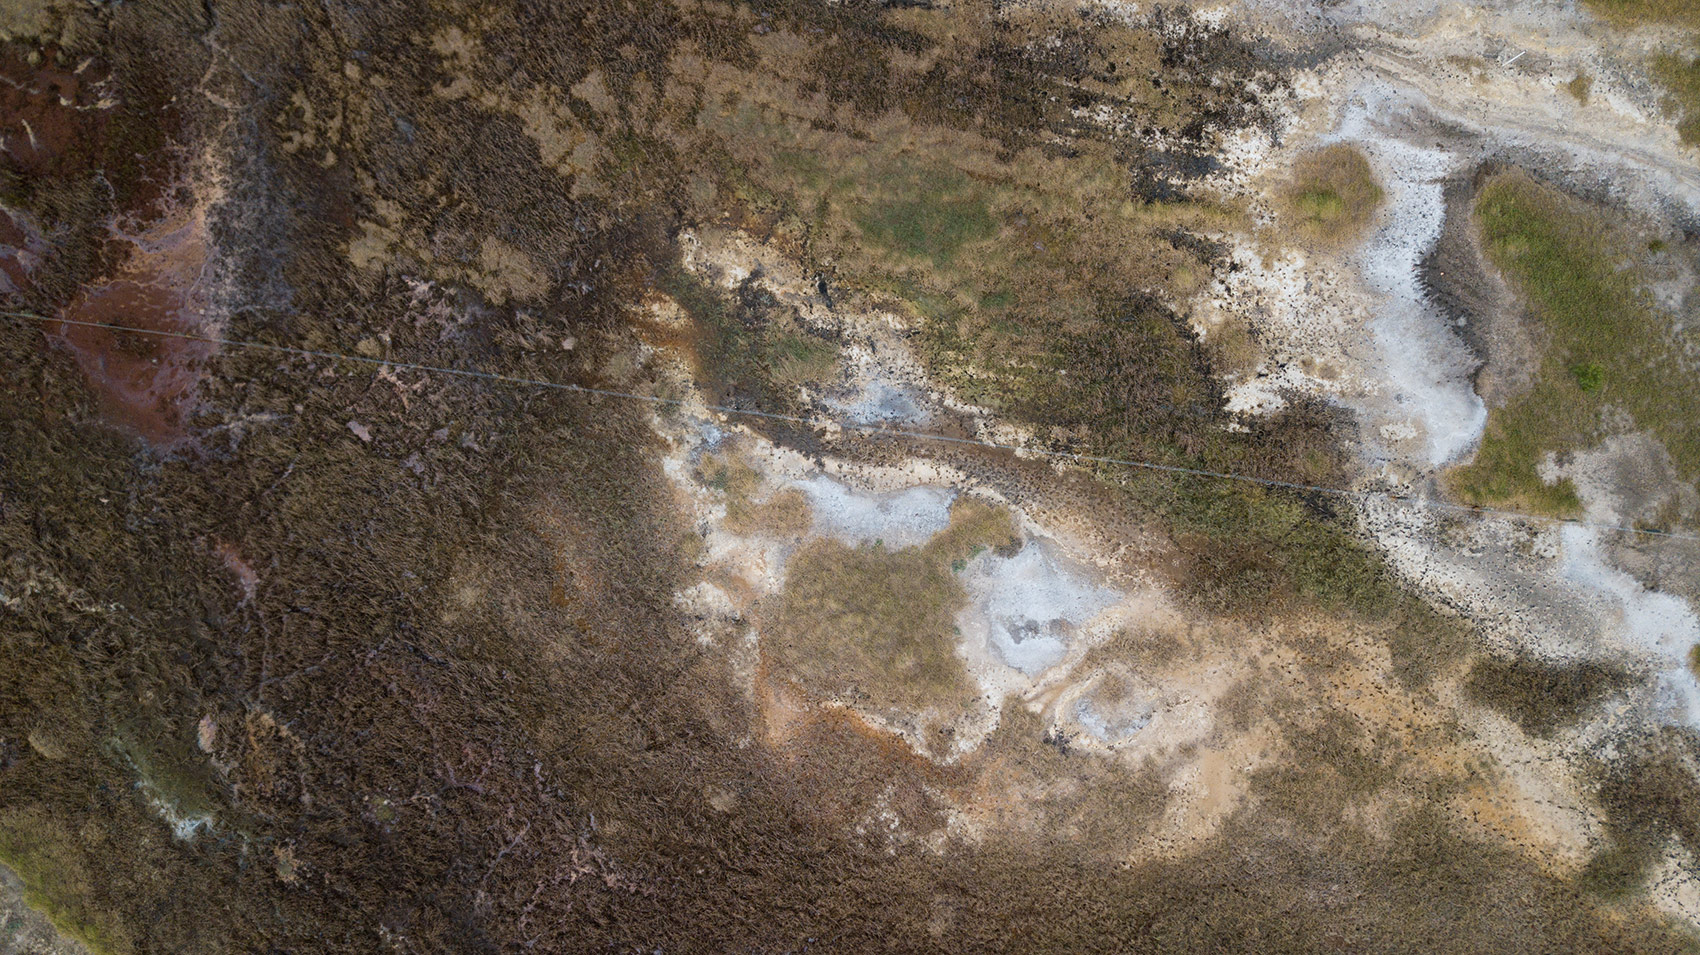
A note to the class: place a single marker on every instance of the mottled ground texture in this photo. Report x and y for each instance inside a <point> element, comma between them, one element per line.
<point>308,644</point>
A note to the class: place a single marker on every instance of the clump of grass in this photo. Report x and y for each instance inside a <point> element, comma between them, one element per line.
<point>1649,798</point>
<point>167,769</point>
<point>1694,659</point>
<point>1580,87</point>
<point>878,626</point>
<point>1617,871</point>
<point>783,513</point>
<point>1681,75</point>
<point>730,474</point>
<point>1589,376</point>
<point>748,347</point>
<point>975,526</point>
<point>1607,348</point>
<point>1234,349</point>
<point>1505,470</point>
<point>1332,195</point>
<point>1540,697</point>
<point>796,358</point>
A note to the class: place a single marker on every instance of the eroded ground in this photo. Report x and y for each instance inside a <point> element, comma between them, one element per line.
<point>1050,477</point>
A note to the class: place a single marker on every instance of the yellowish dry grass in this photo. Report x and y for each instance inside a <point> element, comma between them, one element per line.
<point>783,513</point>
<point>1681,75</point>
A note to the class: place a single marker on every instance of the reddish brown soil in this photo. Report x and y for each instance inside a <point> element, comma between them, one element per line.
<point>54,119</point>
<point>145,381</point>
<point>244,572</point>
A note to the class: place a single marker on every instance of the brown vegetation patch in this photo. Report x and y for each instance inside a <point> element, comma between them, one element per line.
<point>57,112</point>
<point>1541,697</point>
<point>21,248</point>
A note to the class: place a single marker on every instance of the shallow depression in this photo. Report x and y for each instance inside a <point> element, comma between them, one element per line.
<point>1026,608</point>
<point>894,519</point>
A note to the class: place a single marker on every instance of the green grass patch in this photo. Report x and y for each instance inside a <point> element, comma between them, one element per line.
<point>747,347</point>
<point>56,874</point>
<point>1580,87</point>
<point>928,213</point>
<point>1589,376</point>
<point>1332,196</point>
<point>1608,349</point>
<point>1681,76</point>
<point>168,769</point>
<point>794,358</point>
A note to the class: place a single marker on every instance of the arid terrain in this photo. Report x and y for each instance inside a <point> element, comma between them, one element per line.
<point>682,476</point>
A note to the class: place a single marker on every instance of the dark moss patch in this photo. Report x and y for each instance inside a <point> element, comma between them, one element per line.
<point>748,350</point>
<point>54,867</point>
<point>1618,871</point>
<point>1541,697</point>
<point>1651,796</point>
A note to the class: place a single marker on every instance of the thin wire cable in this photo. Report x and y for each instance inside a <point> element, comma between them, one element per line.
<point>861,429</point>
